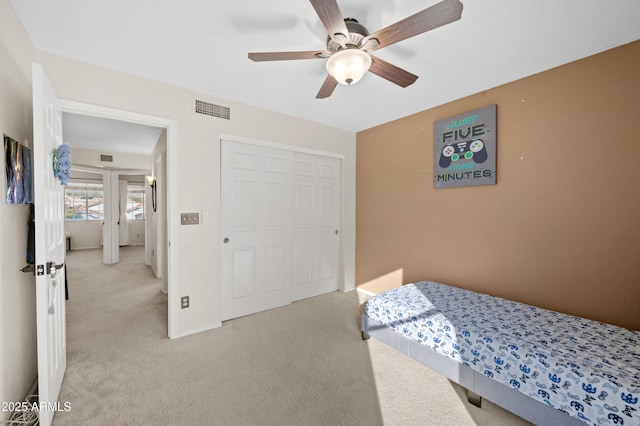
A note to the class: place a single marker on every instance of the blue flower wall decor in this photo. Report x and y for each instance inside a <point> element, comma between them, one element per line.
<point>62,163</point>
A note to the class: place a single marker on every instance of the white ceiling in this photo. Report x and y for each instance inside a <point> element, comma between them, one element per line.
<point>203,45</point>
<point>109,136</point>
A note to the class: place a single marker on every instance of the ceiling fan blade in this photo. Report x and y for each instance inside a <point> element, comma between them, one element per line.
<point>439,14</point>
<point>287,56</point>
<point>391,72</point>
<point>332,19</point>
<point>327,88</point>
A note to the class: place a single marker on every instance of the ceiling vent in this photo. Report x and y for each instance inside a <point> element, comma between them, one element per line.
<point>105,158</point>
<point>213,110</point>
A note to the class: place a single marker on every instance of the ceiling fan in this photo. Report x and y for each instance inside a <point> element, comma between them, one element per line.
<point>349,42</point>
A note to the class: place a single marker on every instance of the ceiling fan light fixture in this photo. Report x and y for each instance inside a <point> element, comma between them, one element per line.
<point>349,65</point>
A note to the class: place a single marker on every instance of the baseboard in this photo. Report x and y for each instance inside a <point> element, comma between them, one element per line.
<point>85,248</point>
<point>365,292</point>
<point>197,330</point>
<point>99,247</point>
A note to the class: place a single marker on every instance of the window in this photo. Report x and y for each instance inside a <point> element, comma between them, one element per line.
<point>135,204</point>
<point>86,202</point>
<point>83,204</point>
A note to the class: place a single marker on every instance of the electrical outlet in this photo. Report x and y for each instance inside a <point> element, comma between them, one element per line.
<point>189,218</point>
<point>184,302</point>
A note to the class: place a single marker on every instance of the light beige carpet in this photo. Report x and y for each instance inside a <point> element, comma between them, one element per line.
<point>303,364</point>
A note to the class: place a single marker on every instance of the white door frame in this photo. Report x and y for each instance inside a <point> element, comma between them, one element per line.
<point>294,148</point>
<point>81,108</point>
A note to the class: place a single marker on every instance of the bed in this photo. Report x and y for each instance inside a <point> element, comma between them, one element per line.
<point>546,367</point>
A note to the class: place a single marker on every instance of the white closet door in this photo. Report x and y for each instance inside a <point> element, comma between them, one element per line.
<point>316,222</point>
<point>256,228</point>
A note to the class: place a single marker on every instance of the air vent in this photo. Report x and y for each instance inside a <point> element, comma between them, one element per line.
<point>106,158</point>
<point>213,110</point>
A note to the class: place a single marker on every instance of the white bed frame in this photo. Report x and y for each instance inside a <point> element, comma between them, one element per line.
<point>477,384</point>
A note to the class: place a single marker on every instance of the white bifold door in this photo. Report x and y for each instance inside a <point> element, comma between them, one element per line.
<point>280,227</point>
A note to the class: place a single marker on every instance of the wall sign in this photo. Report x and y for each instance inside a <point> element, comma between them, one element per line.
<point>464,149</point>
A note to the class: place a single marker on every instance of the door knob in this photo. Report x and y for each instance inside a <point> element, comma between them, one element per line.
<point>226,240</point>
<point>52,267</point>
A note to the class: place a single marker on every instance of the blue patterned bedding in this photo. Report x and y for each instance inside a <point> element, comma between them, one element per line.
<point>588,369</point>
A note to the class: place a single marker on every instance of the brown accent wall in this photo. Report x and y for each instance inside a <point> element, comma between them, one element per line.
<point>560,229</point>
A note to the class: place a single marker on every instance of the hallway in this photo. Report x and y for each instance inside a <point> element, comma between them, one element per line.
<point>112,295</point>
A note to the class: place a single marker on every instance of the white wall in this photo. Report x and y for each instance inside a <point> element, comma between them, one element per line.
<point>86,234</point>
<point>89,157</point>
<point>18,365</point>
<point>197,157</point>
<point>136,232</point>
<point>196,251</point>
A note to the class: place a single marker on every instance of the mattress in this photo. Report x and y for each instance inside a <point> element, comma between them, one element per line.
<point>585,368</point>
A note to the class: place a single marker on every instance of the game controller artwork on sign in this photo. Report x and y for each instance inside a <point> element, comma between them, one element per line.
<point>464,149</point>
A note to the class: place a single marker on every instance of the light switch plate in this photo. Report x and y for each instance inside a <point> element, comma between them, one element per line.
<point>189,218</point>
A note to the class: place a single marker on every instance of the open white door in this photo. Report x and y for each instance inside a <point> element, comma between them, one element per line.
<point>49,245</point>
